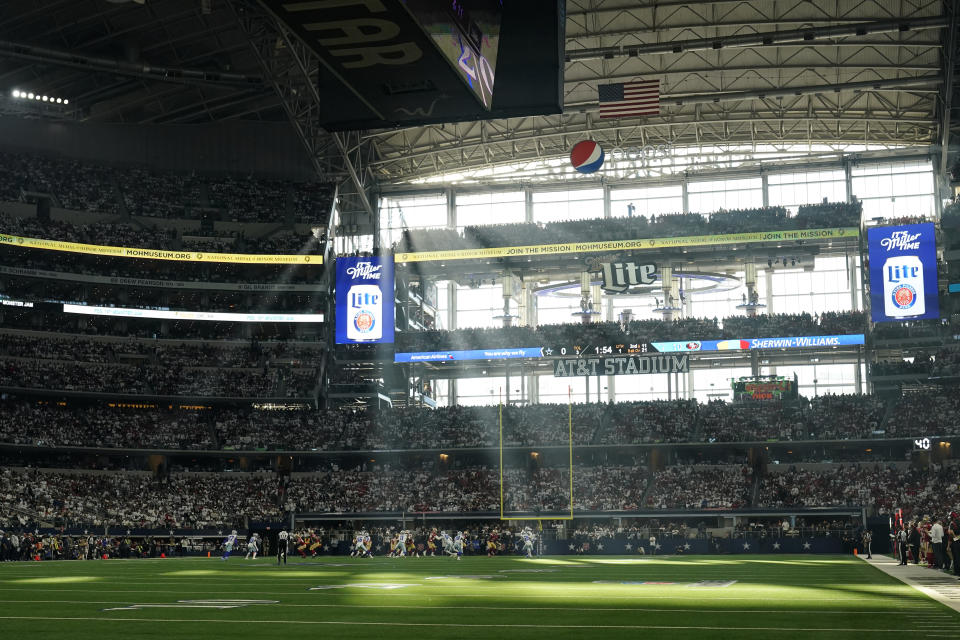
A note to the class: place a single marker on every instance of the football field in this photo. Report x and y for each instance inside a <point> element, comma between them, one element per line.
<point>743,597</point>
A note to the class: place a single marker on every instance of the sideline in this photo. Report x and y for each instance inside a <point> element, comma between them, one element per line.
<point>940,586</point>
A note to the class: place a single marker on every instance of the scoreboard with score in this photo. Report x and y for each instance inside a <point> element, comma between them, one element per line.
<point>598,350</point>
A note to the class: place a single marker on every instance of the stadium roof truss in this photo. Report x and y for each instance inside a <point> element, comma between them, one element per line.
<point>776,78</point>
<point>791,78</point>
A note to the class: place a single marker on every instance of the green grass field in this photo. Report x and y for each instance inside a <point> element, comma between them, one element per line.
<point>698,597</point>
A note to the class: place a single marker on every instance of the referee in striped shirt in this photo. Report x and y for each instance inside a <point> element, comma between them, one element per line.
<point>282,538</point>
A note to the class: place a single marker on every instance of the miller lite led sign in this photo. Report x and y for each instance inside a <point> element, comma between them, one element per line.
<point>364,300</point>
<point>620,276</point>
<point>903,273</point>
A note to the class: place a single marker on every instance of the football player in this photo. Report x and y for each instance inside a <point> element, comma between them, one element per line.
<point>228,543</point>
<point>528,537</point>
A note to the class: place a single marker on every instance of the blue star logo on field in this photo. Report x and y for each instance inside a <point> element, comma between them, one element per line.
<point>628,546</point>
<point>686,546</point>
<point>776,546</point>
<point>587,156</point>
<point>806,546</point>
<point>746,546</point>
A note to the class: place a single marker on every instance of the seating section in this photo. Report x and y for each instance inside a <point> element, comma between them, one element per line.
<point>815,216</point>
<point>89,187</point>
<point>636,331</point>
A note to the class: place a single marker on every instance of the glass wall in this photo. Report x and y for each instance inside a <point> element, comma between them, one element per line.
<point>411,212</point>
<point>473,392</point>
<point>825,288</point>
<point>791,190</point>
<point>714,195</point>
<point>494,207</point>
<point>578,204</point>
<point>895,189</point>
<point>646,201</point>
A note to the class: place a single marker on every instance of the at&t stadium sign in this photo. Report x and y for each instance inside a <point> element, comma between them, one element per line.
<point>621,365</point>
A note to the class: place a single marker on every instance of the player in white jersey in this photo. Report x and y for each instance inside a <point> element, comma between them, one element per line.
<point>253,546</point>
<point>446,542</point>
<point>282,539</point>
<point>359,547</point>
<point>528,537</point>
<point>401,548</point>
<point>458,545</point>
<point>228,543</point>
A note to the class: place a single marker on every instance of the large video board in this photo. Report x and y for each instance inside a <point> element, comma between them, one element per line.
<point>903,273</point>
<point>364,300</point>
<point>681,346</point>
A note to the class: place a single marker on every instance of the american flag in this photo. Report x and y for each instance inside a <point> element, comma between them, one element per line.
<point>629,99</point>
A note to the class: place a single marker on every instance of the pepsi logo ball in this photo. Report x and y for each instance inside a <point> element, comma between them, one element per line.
<point>586,156</point>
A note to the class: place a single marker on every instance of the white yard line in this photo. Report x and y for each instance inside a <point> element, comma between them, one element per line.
<point>897,612</point>
<point>155,621</point>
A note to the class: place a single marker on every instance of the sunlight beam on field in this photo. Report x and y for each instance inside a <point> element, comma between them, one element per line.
<point>57,580</point>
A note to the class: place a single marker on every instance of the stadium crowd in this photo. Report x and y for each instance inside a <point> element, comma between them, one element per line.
<point>885,487</point>
<point>87,186</point>
<point>136,234</point>
<point>845,417</point>
<point>690,487</point>
<point>814,216</point>
<point>155,380</point>
<point>180,501</point>
<point>203,500</point>
<point>556,336</point>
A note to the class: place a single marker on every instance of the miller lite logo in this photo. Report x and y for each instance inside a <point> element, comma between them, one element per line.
<point>365,312</point>
<point>901,241</point>
<point>903,287</point>
<point>620,276</point>
<point>365,271</point>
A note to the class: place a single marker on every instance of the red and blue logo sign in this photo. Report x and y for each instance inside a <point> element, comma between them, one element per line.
<point>904,296</point>
<point>586,156</point>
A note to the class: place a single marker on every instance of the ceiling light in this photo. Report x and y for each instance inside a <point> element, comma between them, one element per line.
<point>30,96</point>
<point>45,98</point>
<point>36,97</point>
<point>65,101</point>
<point>59,100</point>
<point>16,93</point>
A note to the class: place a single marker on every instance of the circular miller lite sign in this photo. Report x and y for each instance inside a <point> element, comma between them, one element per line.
<point>586,156</point>
<point>904,296</point>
